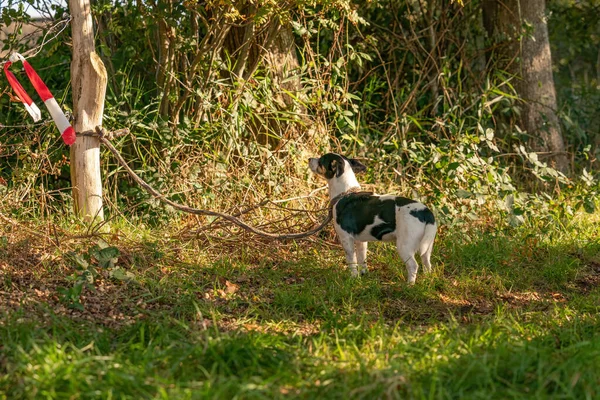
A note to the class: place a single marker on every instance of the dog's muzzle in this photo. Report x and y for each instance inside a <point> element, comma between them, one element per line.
<point>313,164</point>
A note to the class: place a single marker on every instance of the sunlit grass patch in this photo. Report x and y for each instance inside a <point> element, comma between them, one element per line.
<point>505,355</point>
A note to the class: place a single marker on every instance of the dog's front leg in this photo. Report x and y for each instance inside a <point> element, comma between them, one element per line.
<point>361,257</point>
<point>347,242</point>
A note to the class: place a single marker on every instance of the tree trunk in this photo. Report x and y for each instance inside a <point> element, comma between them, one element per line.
<point>166,66</point>
<point>275,47</point>
<point>530,60</point>
<point>283,67</point>
<point>88,77</point>
<point>283,64</point>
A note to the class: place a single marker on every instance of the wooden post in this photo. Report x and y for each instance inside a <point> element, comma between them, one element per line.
<point>88,78</point>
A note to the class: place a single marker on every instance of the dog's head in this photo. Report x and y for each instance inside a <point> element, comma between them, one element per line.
<point>333,165</point>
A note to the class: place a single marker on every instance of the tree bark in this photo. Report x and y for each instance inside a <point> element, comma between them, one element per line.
<point>89,79</point>
<point>530,60</point>
<point>275,47</point>
<point>283,64</point>
<point>166,66</point>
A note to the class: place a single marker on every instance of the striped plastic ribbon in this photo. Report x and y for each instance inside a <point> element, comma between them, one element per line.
<point>66,130</point>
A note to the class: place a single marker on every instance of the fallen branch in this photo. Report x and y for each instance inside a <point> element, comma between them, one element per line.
<point>105,136</point>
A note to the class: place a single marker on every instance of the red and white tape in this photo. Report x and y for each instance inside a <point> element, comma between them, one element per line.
<point>66,130</point>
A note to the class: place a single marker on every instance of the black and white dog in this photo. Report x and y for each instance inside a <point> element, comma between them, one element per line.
<point>361,217</point>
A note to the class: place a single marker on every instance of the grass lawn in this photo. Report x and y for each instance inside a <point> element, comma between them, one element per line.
<point>506,314</point>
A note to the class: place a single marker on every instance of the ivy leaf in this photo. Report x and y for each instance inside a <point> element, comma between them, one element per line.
<point>121,275</point>
<point>107,257</point>
<point>80,262</point>
<point>515,220</point>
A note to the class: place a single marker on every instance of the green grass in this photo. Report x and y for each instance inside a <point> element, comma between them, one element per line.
<point>506,314</point>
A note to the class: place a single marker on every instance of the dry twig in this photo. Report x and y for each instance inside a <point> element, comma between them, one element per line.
<point>104,137</point>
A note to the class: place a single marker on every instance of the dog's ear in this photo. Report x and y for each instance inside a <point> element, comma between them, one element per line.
<point>357,166</point>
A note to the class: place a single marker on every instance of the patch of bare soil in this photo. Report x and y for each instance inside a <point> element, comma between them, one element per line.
<point>466,309</point>
<point>540,300</point>
<point>34,289</point>
<point>445,305</point>
<point>589,279</point>
<point>33,271</point>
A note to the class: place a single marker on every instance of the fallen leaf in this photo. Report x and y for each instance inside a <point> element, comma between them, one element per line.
<point>230,287</point>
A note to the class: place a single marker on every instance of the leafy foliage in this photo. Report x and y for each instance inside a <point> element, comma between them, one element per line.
<point>87,266</point>
<point>575,37</point>
<point>403,84</point>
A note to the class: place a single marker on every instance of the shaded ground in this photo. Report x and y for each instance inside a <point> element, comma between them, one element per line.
<point>33,277</point>
<point>256,320</point>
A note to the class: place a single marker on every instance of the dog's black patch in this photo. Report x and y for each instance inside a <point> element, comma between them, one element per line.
<point>402,201</point>
<point>356,211</point>
<point>357,166</point>
<point>333,165</point>
<point>425,216</point>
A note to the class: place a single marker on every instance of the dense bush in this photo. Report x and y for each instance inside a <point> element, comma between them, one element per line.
<point>404,84</point>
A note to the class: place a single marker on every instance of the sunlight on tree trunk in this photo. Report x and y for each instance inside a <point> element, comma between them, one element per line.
<point>88,77</point>
<point>530,60</point>
<point>282,64</point>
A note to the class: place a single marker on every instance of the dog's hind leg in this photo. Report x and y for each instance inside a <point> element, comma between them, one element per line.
<point>426,246</point>
<point>361,257</point>
<point>426,260</point>
<point>411,268</point>
<point>407,249</point>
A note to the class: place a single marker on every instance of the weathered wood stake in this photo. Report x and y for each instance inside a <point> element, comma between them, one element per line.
<point>88,77</point>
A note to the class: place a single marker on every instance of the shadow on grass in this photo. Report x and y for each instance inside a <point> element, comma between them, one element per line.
<point>303,291</point>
